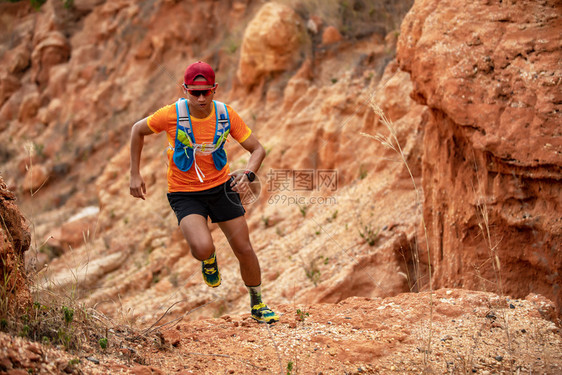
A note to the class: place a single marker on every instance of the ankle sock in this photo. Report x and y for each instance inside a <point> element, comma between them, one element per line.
<point>209,258</point>
<point>255,295</point>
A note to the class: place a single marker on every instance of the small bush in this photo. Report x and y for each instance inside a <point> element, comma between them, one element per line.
<point>290,368</point>
<point>68,314</point>
<point>302,315</point>
<point>312,272</point>
<point>369,234</point>
<point>103,343</point>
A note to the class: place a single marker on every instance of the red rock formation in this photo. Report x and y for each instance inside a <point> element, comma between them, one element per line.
<point>14,241</point>
<point>271,43</point>
<point>492,178</point>
<point>126,60</point>
<point>72,83</point>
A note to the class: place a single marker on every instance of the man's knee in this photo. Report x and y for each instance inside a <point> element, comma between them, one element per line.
<point>243,250</point>
<point>202,250</point>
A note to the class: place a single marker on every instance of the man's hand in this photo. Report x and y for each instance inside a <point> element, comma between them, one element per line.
<point>239,182</point>
<point>138,188</point>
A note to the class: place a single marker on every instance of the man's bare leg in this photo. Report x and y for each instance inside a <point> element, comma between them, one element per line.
<point>196,232</point>
<point>237,234</point>
<point>236,231</point>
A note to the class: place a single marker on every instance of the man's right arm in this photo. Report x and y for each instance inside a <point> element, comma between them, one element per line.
<point>138,132</point>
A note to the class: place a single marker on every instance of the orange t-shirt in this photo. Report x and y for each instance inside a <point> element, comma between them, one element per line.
<point>204,132</point>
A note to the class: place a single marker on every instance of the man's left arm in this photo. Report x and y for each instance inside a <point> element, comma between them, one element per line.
<point>240,183</point>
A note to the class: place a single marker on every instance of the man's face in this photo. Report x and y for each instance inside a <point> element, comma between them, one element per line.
<point>200,96</point>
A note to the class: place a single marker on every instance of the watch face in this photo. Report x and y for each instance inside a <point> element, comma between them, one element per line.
<point>251,195</point>
<point>251,176</point>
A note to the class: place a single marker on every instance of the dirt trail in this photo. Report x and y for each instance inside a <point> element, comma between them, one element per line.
<point>471,332</point>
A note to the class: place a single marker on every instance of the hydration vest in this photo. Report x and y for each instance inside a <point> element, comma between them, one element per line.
<point>185,148</point>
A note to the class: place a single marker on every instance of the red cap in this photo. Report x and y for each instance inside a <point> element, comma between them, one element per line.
<point>197,69</point>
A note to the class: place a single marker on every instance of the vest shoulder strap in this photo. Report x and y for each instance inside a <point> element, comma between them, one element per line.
<point>183,115</point>
<point>221,113</point>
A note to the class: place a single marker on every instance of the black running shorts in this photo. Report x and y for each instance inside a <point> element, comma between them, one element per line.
<point>220,203</point>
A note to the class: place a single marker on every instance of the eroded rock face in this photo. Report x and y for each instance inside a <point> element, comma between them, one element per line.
<point>271,43</point>
<point>53,49</point>
<point>492,174</point>
<point>14,241</point>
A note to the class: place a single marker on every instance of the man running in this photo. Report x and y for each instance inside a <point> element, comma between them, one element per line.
<point>200,184</point>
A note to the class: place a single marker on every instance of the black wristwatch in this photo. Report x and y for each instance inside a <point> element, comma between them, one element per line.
<point>251,175</point>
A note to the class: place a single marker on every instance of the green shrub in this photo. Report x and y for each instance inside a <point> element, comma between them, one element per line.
<point>302,315</point>
<point>369,234</point>
<point>103,343</point>
<point>68,314</point>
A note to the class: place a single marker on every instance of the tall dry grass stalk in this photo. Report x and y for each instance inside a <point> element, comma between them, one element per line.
<point>391,141</point>
<point>484,226</point>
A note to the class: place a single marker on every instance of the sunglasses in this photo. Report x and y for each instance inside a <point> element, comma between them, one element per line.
<point>198,93</point>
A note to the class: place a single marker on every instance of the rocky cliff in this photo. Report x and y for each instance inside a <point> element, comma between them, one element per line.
<point>14,242</point>
<point>492,147</point>
<point>472,118</point>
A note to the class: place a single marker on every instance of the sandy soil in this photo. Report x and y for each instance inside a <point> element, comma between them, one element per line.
<point>464,332</point>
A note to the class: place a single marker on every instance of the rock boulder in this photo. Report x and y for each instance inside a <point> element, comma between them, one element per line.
<point>271,43</point>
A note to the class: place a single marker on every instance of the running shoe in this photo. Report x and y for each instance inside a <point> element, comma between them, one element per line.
<point>210,270</point>
<point>263,314</point>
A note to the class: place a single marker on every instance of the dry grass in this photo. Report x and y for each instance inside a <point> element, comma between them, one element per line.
<point>54,317</point>
<point>466,359</point>
<point>391,141</point>
<point>464,362</point>
<point>493,258</point>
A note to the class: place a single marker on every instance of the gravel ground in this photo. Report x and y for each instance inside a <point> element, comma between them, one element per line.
<point>464,332</point>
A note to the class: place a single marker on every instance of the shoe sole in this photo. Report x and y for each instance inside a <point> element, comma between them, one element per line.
<point>211,285</point>
<point>265,321</point>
